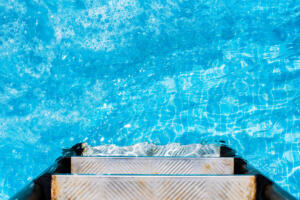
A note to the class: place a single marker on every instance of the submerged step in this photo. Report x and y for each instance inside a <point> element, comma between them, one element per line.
<point>151,165</point>
<point>148,149</point>
<point>155,187</point>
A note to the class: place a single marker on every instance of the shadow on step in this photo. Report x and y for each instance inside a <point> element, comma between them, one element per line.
<point>40,188</point>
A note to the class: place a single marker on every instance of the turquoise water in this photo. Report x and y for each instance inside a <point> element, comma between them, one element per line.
<point>129,71</point>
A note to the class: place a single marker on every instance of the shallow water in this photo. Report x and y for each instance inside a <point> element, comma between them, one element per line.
<point>128,71</point>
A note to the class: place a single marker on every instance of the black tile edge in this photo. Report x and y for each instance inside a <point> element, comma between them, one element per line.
<point>40,188</point>
<point>267,190</point>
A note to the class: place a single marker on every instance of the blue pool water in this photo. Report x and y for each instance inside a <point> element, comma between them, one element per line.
<point>161,71</point>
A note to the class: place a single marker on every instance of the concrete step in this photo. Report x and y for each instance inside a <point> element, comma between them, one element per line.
<point>151,165</point>
<point>152,187</point>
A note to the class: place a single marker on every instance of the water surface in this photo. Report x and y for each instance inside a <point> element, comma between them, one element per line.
<point>160,71</point>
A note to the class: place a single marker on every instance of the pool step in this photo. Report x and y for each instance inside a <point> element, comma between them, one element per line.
<point>192,172</point>
<point>148,149</point>
<point>57,184</point>
<point>152,187</point>
<point>151,165</point>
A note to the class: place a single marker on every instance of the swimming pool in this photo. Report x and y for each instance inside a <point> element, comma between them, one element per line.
<point>128,71</point>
